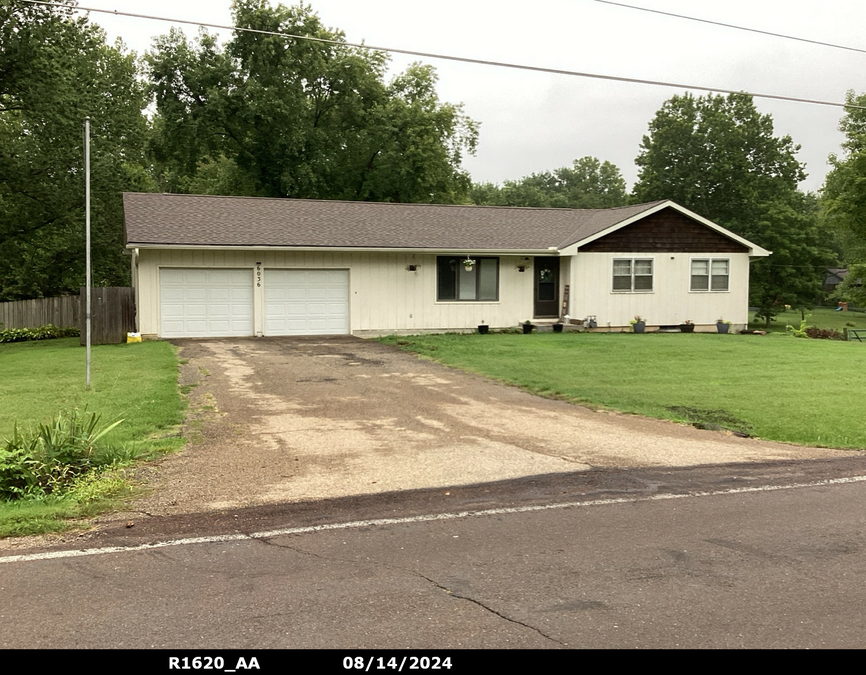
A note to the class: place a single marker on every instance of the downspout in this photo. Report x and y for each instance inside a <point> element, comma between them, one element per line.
<point>134,277</point>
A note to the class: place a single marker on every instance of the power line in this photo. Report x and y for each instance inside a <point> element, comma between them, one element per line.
<point>730,25</point>
<point>461,59</point>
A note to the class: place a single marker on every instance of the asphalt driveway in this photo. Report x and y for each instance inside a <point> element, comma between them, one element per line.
<point>290,419</point>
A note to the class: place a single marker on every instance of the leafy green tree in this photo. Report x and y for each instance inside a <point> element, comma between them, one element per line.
<point>56,69</point>
<point>794,273</point>
<point>587,184</point>
<point>844,199</point>
<point>844,193</point>
<point>853,288</point>
<point>719,157</point>
<point>281,117</point>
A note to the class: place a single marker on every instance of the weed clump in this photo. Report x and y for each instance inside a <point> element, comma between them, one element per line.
<point>51,458</point>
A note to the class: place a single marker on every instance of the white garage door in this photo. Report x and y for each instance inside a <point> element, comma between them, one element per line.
<point>205,302</point>
<point>306,302</point>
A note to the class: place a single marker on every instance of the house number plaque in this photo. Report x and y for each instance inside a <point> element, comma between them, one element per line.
<point>258,275</point>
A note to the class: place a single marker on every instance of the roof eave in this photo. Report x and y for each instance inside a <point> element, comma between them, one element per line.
<point>552,251</point>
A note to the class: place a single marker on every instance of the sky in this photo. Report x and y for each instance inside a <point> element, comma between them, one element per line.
<point>532,122</point>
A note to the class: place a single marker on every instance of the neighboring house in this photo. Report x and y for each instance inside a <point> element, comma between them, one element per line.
<point>232,266</point>
<point>835,276</point>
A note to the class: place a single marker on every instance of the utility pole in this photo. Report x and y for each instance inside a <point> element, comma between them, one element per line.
<point>87,244</point>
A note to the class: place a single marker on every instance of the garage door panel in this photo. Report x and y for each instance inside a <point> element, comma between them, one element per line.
<point>296,294</point>
<point>219,276</point>
<point>172,326</point>
<point>172,311</point>
<point>276,294</point>
<point>192,294</point>
<point>206,302</point>
<point>306,302</point>
<point>172,293</point>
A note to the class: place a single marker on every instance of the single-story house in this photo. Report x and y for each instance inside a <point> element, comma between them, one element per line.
<point>835,276</point>
<point>210,266</point>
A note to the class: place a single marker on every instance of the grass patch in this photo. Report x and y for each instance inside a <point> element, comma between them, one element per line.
<point>136,383</point>
<point>93,495</point>
<point>776,387</point>
<point>822,317</point>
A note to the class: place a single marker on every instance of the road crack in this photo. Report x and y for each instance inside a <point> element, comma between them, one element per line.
<point>433,582</point>
<point>481,604</point>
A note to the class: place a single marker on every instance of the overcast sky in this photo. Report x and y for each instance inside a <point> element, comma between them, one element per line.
<point>532,122</point>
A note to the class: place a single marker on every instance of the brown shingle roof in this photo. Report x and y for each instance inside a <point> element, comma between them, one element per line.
<point>196,220</point>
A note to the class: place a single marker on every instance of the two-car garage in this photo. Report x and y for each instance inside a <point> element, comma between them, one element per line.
<point>219,302</point>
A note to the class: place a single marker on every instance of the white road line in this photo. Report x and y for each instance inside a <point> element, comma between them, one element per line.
<point>52,555</point>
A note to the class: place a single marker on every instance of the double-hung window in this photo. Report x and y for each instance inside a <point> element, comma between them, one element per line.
<point>468,278</point>
<point>632,275</point>
<point>710,274</point>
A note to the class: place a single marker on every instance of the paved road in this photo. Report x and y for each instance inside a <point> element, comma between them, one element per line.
<point>748,568</point>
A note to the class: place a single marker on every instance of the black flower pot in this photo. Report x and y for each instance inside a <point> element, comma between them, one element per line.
<point>722,327</point>
<point>483,329</point>
<point>687,328</point>
<point>557,328</point>
<point>527,328</point>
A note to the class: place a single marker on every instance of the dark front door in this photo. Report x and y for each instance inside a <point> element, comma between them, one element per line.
<point>546,288</point>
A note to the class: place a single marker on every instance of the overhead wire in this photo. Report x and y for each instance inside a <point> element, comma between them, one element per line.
<point>447,57</point>
<point>733,26</point>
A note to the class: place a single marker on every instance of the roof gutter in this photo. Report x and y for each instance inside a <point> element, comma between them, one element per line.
<point>551,251</point>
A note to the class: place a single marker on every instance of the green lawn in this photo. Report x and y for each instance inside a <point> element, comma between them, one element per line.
<point>810,392</point>
<point>822,317</point>
<point>136,383</point>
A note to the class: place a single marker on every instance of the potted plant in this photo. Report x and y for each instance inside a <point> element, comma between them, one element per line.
<point>557,328</point>
<point>723,326</point>
<point>483,328</point>
<point>638,324</point>
<point>527,327</point>
<point>469,263</point>
<point>687,326</point>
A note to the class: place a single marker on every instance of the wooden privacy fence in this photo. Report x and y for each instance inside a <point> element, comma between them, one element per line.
<point>61,312</point>
<point>112,313</point>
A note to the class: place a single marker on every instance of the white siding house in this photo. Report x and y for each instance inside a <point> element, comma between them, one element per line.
<point>228,266</point>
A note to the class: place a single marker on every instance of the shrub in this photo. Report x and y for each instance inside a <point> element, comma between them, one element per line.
<point>50,458</point>
<point>823,334</point>
<point>47,332</point>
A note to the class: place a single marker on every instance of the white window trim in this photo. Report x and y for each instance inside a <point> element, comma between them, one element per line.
<point>709,288</point>
<point>633,260</point>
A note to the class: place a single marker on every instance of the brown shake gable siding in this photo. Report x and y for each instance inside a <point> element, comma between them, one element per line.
<point>666,231</point>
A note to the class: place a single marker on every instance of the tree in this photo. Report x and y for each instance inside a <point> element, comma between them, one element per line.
<point>844,198</point>
<point>587,184</point>
<point>719,157</point>
<point>845,186</point>
<point>55,70</point>
<point>283,117</point>
<point>794,273</point>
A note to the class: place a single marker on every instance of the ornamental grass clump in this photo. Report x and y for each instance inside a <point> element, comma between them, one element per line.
<point>51,457</point>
